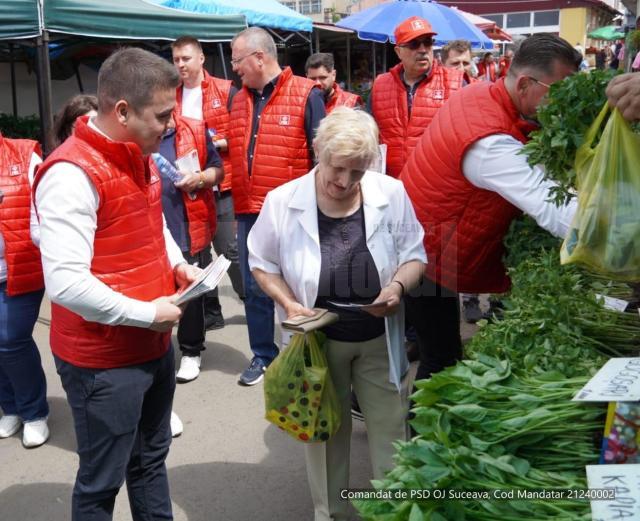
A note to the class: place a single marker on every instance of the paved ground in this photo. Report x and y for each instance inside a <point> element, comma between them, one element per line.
<point>229,465</point>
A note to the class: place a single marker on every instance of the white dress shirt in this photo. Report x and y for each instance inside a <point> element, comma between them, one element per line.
<point>192,102</point>
<point>496,163</point>
<point>285,241</point>
<point>35,161</point>
<point>67,204</point>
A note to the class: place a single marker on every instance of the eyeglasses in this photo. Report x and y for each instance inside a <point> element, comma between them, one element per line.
<point>415,44</point>
<point>540,82</point>
<point>236,61</point>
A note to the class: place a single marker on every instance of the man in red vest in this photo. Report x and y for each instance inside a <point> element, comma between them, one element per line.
<point>273,121</point>
<point>487,68</point>
<point>468,180</point>
<point>321,69</point>
<point>505,63</point>
<point>457,55</point>
<point>111,270</point>
<point>404,100</point>
<point>207,98</point>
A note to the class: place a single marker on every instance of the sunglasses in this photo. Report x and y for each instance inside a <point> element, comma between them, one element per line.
<point>415,44</point>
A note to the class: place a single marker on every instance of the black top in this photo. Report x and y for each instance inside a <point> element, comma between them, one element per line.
<point>347,274</point>
<point>313,114</point>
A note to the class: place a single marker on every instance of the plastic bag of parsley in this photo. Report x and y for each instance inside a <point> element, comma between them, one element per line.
<point>605,233</point>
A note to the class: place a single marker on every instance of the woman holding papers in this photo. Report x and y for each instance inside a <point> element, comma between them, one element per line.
<point>347,239</point>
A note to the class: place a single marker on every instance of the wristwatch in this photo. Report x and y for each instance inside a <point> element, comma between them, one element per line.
<point>201,183</point>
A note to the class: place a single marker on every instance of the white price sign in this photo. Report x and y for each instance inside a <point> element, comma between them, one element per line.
<point>624,500</point>
<point>614,304</point>
<point>617,381</point>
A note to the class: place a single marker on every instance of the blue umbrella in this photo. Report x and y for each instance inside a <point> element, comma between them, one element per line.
<point>377,23</point>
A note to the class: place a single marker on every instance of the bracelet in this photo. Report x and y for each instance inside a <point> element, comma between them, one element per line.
<point>202,178</point>
<point>404,291</point>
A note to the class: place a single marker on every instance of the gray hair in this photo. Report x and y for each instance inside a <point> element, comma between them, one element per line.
<point>134,75</point>
<point>258,39</point>
<point>541,51</point>
<point>347,133</point>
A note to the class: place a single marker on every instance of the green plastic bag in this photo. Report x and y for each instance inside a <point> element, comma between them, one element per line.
<point>299,395</point>
<point>605,233</point>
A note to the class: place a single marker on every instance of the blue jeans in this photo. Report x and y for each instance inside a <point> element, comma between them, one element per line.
<point>258,307</point>
<point>122,422</point>
<point>23,387</point>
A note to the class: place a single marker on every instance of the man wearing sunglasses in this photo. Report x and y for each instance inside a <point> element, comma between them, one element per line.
<point>468,180</point>
<point>405,99</point>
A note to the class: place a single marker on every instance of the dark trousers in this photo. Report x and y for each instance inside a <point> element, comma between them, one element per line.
<point>191,329</point>
<point>122,423</point>
<point>23,387</point>
<point>225,243</point>
<point>434,312</point>
<point>258,307</point>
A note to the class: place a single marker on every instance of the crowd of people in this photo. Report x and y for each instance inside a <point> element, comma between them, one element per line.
<point>285,188</point>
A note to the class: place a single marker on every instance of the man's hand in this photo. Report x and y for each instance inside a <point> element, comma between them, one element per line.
<point>185,274</point>
<point>624,94</point>
<point>295,309</point>
<point>167,314</point>
<point>189,183</point>
<point>392,295</point>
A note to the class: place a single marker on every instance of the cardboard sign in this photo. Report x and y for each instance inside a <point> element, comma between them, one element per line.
<point>617,381</point>
<point>623,499</point>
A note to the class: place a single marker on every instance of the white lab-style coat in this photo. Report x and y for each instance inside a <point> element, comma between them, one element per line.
<point>285,241</point>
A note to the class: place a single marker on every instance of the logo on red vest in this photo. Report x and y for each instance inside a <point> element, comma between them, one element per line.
<point>438,94</point>
<point>153,179</point>
<point>284,120</point>
<point>216,103</point>
<point>14,170</point>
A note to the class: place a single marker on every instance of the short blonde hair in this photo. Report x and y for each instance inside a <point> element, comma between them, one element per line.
<point>347,132</point>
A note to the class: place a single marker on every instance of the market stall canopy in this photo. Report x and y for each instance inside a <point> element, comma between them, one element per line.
<point>263,13</point>
<point>20,19</point>
<point>137,20</point>
<point>610,32</point>
<point>488,27</point>
<point>115,19</point>
<point>378,23</point>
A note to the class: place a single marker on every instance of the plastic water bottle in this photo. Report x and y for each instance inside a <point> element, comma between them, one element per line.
<point>166,168</point>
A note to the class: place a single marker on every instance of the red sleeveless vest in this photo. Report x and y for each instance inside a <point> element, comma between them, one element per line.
<point>464,225</point>
<point>281,150</point>
<point>215,98</point>
<point>201,211</point>
<point>342,98</point>
<point>129,251</point>
<point>24,269</point>
<point>390,110</point>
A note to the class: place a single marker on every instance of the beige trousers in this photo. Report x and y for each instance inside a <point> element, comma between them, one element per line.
<point>365,366</point>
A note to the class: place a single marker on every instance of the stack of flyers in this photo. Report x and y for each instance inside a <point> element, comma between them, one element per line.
<point>207,281</point>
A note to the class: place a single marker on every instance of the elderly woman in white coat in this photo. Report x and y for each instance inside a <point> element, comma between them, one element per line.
<point>345,234</point>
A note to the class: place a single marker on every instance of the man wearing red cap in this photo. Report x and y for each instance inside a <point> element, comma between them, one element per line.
<point>405,99</point>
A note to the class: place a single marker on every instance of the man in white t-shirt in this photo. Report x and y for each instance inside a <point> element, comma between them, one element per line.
<point>205,97</point>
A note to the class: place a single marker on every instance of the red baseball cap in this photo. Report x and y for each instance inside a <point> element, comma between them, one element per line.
<point>411,29</point>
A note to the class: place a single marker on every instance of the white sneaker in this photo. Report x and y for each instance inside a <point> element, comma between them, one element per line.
<point>176,425</point>
<point>9,425</point>
<point>189,369</point>
<point>35,433</point>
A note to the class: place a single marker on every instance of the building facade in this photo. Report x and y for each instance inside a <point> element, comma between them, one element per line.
<point>323,11</point>
<point>570,19</point>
